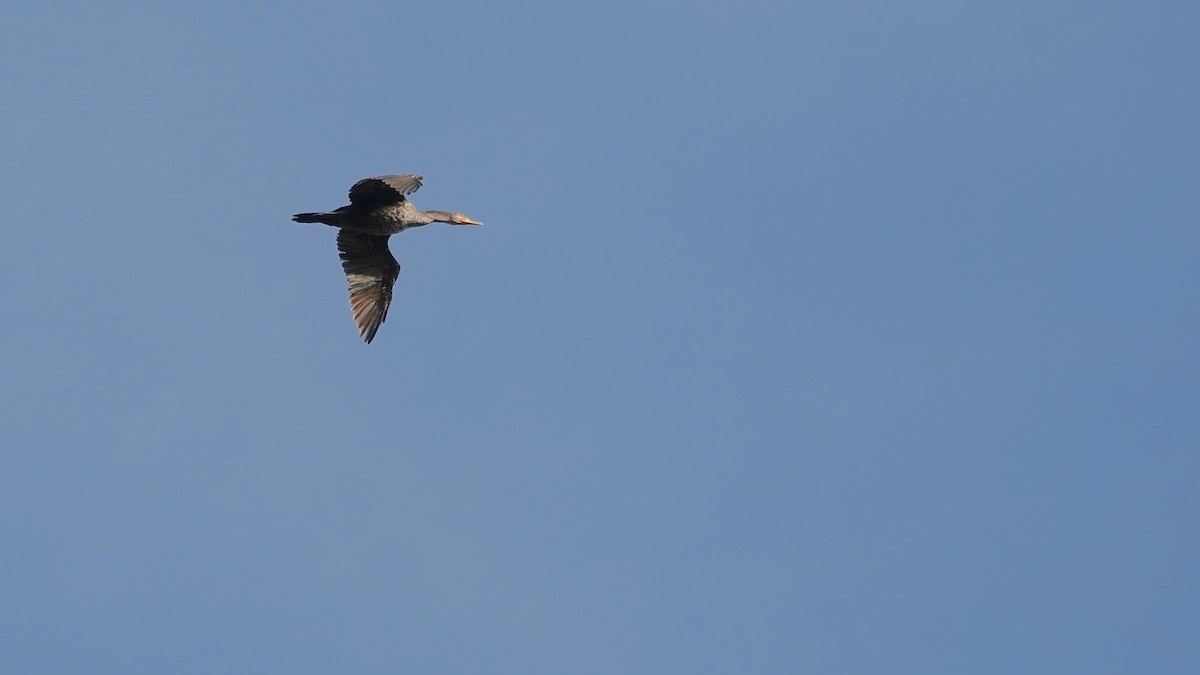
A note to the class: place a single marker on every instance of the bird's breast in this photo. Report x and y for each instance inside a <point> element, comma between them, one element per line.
<point>383,220</point>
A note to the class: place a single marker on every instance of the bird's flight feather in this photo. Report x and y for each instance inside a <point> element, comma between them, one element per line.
<point>371,272</point>
<point>370,193</point>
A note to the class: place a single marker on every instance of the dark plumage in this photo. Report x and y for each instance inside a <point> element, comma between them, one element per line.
<point>378,209</point>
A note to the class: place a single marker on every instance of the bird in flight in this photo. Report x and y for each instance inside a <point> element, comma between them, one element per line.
<point>378,208</point>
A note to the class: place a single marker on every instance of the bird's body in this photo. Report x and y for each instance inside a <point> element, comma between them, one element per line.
<point>378,209</point>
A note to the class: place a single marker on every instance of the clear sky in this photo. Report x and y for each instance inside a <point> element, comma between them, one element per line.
<point>803,337</point>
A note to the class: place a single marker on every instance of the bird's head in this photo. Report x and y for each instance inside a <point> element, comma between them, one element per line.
<point>460,219</point>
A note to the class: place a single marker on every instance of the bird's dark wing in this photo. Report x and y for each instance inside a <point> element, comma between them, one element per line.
<point>370,193</point>
<point>371,272</point>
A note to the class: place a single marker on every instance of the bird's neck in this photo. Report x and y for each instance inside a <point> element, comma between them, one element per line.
<point>435,217</point>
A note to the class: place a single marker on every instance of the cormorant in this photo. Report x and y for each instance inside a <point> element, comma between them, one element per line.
<point>378,209</point>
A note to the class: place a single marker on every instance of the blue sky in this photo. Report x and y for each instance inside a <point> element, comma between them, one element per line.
<point>832,337</point>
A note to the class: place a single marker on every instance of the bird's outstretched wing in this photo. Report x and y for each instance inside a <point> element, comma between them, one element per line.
<point>370,193</point>
<point>371,272</point>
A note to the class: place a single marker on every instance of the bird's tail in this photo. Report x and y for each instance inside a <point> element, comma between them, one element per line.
<point>324,217</point>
